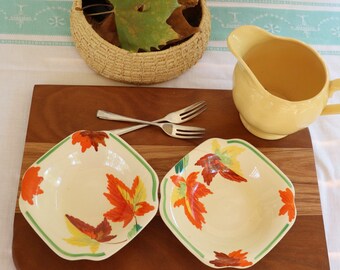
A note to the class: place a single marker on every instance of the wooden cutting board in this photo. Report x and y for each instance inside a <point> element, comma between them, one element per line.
<point>57,111</point>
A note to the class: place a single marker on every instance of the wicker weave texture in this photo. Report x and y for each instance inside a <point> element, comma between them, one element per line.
<point>137,68</point>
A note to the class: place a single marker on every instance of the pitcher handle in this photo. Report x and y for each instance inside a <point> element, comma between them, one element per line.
<point>333,108</point>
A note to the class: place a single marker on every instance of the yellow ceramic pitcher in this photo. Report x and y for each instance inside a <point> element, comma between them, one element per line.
<point>281,85</point>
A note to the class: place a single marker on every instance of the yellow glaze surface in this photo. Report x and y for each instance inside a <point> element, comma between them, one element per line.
<point>281,85</point>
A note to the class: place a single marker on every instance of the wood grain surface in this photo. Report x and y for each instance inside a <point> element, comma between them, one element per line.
<point>58,111</point>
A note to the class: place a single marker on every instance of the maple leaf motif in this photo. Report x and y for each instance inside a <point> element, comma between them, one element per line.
<point>187,194</point>
<point>235,258</point>
<point>30,184</point>
<point>89,138</point>
<point>101,233</point>
<point>229,155</point>
<point>287,197</point>
<point>84,234</point>
<point>212,164</point>
<point>127,202</point>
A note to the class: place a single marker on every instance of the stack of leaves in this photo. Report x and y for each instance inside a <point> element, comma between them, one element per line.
<point>144,25</point>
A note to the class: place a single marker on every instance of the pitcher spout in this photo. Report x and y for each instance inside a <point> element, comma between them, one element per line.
<point>243,38</point>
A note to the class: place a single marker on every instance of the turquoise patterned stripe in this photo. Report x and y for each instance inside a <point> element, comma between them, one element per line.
<point>278,2</point>
<point>225,49</point>
<point>50,19</point>
<point>329,52</point>
<point>35,17</point>
<point>313,27</point>
<point>36,42</point>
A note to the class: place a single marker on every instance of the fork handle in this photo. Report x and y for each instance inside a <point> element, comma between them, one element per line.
<point>121,131</point>
<point>113,116</point>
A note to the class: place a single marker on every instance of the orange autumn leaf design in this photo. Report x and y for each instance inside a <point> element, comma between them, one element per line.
<point>128,202</point>
<point>30,184</point>
<point>89,138</point>
<point>187,194</point>
<point>235,258</point>
<point>212,164</point>
<point>287,197</point>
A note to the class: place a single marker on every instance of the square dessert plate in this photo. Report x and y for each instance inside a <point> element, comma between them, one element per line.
<point>89,195</point>
<point>227,203</point>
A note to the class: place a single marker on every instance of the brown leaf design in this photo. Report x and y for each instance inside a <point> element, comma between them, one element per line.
<point>89,138</point>
<point>212,164</point>
<point>235,258</point>
<point>101,233</point>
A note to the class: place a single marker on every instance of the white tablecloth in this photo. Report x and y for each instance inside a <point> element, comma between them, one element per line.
<point>36,48</point>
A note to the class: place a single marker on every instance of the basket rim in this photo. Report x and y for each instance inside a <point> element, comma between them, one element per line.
<point>77,10</point>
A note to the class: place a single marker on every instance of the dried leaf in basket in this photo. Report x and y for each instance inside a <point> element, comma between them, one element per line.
<point>147,25</point>
<point>179,23</point>
<point>99,13</point>
<point>142,25</point>
<point>188,3</point>
<point>107,29</point>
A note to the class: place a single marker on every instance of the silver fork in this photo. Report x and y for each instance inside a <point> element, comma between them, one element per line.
<point>176,117</point>
<point>173,130</point>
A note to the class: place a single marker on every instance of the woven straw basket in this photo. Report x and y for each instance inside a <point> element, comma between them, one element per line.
<point>137,68</point>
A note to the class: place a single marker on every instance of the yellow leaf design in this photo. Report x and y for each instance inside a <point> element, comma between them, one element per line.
<point>188,192</point>
<point>126,195</point>
<point>139,192</point>
<point>215,146</point>
<point>233,152</point>
<point>229,155</point>
<point>80,239</point>
<point>180,189</point>
<point>176,195</point>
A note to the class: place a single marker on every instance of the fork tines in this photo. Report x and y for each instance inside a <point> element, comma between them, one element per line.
<point>194,110</point>
<point>190,132</point>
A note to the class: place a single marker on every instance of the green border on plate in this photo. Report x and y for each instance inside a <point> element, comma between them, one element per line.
<point>150,170</point>
<point>260,155</point>
<point>53,149</point>
<point>280,234</point>
<point>263,158</point>
<point>55,246</point>
<point>173,226</point>
<point>141,160</point>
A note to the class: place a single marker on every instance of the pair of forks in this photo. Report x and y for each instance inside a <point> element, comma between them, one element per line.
<point>170,127</point>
